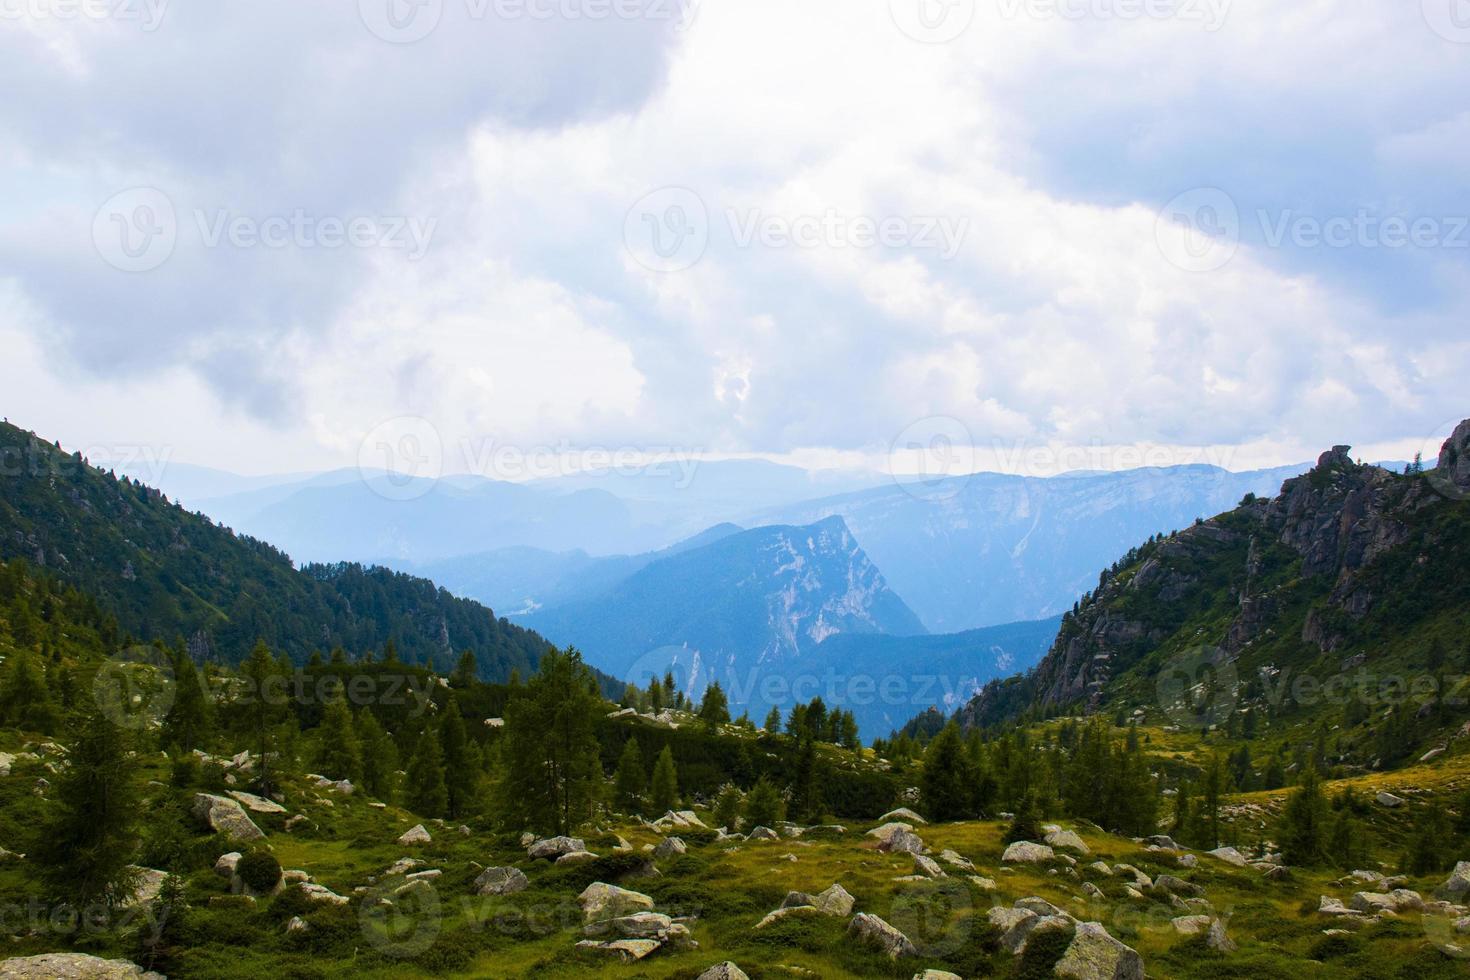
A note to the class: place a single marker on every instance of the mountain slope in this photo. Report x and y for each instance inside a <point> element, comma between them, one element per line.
<point>1352,571</point>
<point>760,597</point>
<point>991,548</point>
<point>163,572</point>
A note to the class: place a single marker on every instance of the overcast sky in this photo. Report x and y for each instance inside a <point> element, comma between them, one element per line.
<point>251,235</point>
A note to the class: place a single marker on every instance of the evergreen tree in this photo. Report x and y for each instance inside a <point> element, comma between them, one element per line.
<point>427,793</point>
<point>461,771</point>
<point>88,832</point>
<point>727,808</point>
<point>1213,787</point>
<point>1304,823</point>
<point>1026,823</point>
<point>551,772</point>
<point>946,786</point>
<point>25,698</point>
<point>466,672</point>
<point>655,696</point>
<point>191,716</point>
<point>714,710</point>
<point>773,722</point>
<point>379,756</point>
<point>764,806</point>
<point>263,709</point>
<point>629,779</point>
<point>806,789</point>
<point>1427,853</point>
<point>339,754</point>
<point>663,789</point>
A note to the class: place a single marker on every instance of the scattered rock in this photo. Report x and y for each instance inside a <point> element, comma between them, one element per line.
<point>297,924</point>
<point>887,830</point>
<point>956,860</point>
<point>1458,884</point>
<point>325,896</point>
<point>601,901</point>
<point>72,966</point>
<point>1067,839</point>
<point>763,833</point>
<point>670,847</point>
<point>1025,852</point>
<point>874,931</point>
<point>1095,955</point>
<point>225,866</point>
<point>225,816</point>
<point>724,971</point>
<point>556,847</point>
<point>1389,800</point>
<point>1188,861</point>
<point>787,912</point>
<point>501,881</point>
<point>903,815</point>
<point>625,950</point>
<point>1229,855</point>
<point>417,835</point>
<point>256,804</point>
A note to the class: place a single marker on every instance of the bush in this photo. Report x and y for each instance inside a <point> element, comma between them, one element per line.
<point>185,771</point>
<point>1026,824</point>
<point>260,870</point>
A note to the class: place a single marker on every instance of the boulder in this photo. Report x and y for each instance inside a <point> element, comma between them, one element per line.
<point>724,971</point>
<point>927,867</point>
<point>1164,841</point>
<point>690,818</point>
<point>325,896</point>
<point>576,857</point>
<point>1188,861</point>
<point>640,925</point>
<point>256,804</point>
<point>1218,939</point>
<point>1177,886</point>
<point>601,901</point>
<point>787,912</point>
<point>1389,800</point>
<point>834,901</point>
<point>956,860</point>
<point>501,881</point>
<point>902,841</point>
<point>417,835</point>
<point>670,847</point>
<point>873,931</point>
<point>1038,905</point>
<point>150,883</point>
<point>1092,891</point>
<point>297,924</point>
<point>624,950</point>
<point>1025,852</point>
<point>225,816</point>
<point>225,866</point>
<point>1095,955</point>
<point>1067,839</point>
<point>763,833</point>
<point>1192,925</point>
<point>903,815</point>
<point>72,966</point>
<point>937,975</point>
<point>1458,885</point>
<point>984,884</point>
<point>554,847</point>
<point>1229,855</point>
<point>887,830</point>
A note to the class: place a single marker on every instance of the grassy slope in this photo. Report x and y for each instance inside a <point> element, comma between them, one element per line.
<point>731,888</point>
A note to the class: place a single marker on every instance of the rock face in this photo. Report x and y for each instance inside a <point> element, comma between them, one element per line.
<point>72,966</point>
<point>1025,852</point>
<point>1453,472</point>
<point>225,816</point>
<point>501,881</point>
<point>874,931</point>
<point>1095,955</point>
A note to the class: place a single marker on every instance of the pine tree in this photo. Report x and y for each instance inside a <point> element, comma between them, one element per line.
<point>190,716</point>
<point>714,710</point>
<point>1427,853</point>
<point>807,800</point>
<point>263,709</point>
<point>628,781</point>
<point>655,696</point>
<point>1304,823</point>
<point>339,754</point>
<point>1213,787</point>
<point>379,756</point>
<point>764,806</point>
<point>663,790</point>
<point>461,772</point>
<point>427,793</point>
<point>88,833</point>
<point>552,772</point>
<point>25,698</point>
<point>1183,824</point>
<point>946,787</point>
<point>466,672</point>
<point>773,722</point>
<point>1026,823</point>
<point>727,809</point>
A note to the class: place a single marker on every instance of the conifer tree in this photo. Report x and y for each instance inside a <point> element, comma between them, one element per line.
<point>466,672</point>
<point>806,789</point>
<point>663,789</point>
<point>714,710</point>
<point>628,781</point>
<point>379,756</point>
<point>1026,823</point>
<point>764,806</point>
<point>461,770</point>
<point>551,771</point>
<point>25,697</point>
<point>946,787</point>
<point>88,833</point>
<point>339,754</point>
<point>263,709</point>
<point>1304,823</point>
<point>427,793</point>
<point>190,716</point>
<point>773,722</point>
<point>727,808</point>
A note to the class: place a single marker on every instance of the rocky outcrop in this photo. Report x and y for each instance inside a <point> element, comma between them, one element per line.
<point>72,966</point>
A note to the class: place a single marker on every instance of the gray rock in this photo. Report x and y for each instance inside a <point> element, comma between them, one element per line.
<point>1025,852</point>
<point>887,830</point>
<point>501,881</point>
<point>576,857</point>
<point>787,912</point>
<point>603,901</point>
<point>956,860</point>
<point>903,815</point>
<point>225,866</point>
<point>873,931</point>
<point>1067,839</point>
<point>624,950</point>
<point>1177,886</point>
<point>902,841</point>
<point>416,835</point>
<point>835,901</point>
<point>763,833</point>
<point>1389,800</point>
<point>297,924</point>
<point>1458,885</point>
<point>1229,855</point>
<point>72,966</point>
<point>1188,861</point>
<point>927,867</point>
<point>724,971</point>
<point>225,816</point>
<point>555,847</point>
<point>670,847</point>
<point>1095,955</point>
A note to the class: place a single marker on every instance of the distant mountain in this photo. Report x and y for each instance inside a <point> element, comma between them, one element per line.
<point>886,680</point>
<point>522,580</point>
<point>989,548</point>
<point>1353,576</point>
<point>164,572</point>
<point>732,608</point>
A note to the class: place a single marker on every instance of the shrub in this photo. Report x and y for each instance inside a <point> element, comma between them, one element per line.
<point>260,870</point>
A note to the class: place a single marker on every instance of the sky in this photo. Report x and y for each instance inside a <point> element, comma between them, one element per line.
<point>1044,234</point>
